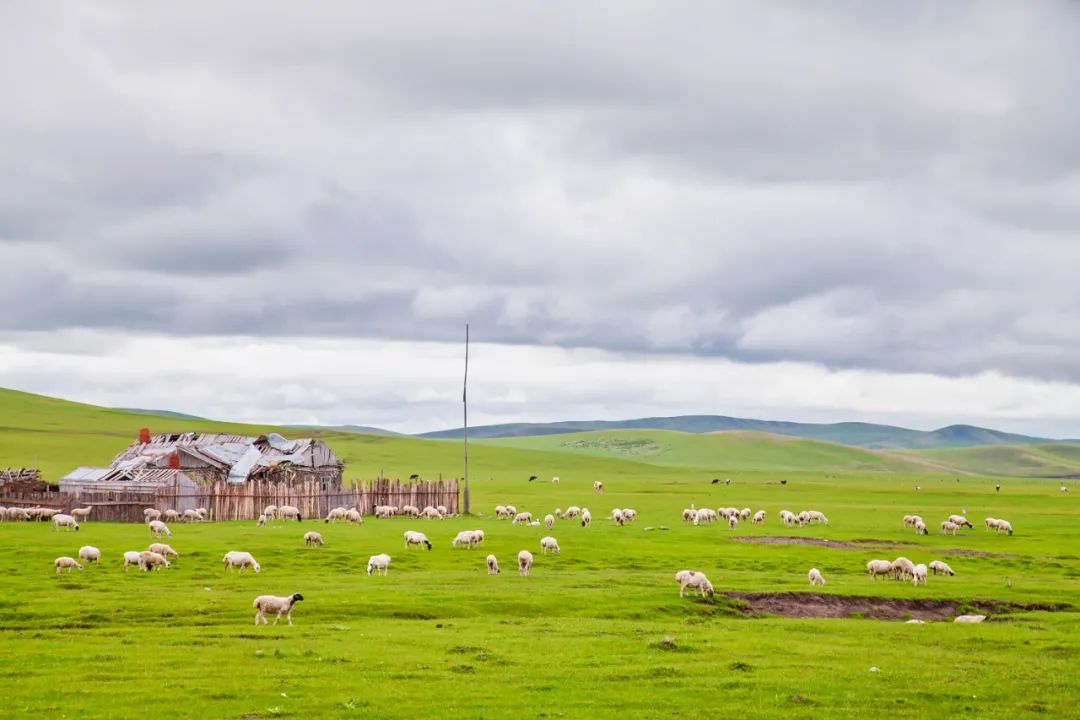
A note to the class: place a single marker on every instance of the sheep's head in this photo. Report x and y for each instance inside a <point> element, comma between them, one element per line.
<point>256,567</point>
<point>297,597</point>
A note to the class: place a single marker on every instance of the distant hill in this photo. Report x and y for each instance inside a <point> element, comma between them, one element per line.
<point>362,429</point>
<point>1051,460</point>
<point>865,435</point>
<point>159,413</point>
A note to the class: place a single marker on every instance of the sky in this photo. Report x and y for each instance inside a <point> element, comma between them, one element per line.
<point>286,213</point>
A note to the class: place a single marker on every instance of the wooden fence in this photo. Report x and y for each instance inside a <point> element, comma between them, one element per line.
<point>246,501</point>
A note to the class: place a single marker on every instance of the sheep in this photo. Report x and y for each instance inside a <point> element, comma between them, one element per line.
<point>629,515</point>
<point>353,517</point>
<point>61,520</point>
<point>1003,526</point>
<point>82,513</point>
<point>969,619</point>
<point>410,511</point>
<point>910,520</point>
<point>815,576</point>
<point>170,516</point>
<point>555,480</point>
<point>937,566</point>
<point>443,510</point>
<point>559,513</point>
<point>270,511</point>
<point>492,565</point>
<point>465,538</point>
<point>759,517</point>
<point>689,514</point>
<point>147,558</point>
<point>203,513</point>
<point>159,528</point>
<point>164,550</point>
<point>682,574</point>
<point>288,512</point>
<point>787,517</point>
<point>192,516</point>
<point>878,567</point>
<point>920,528</point>
<point>312,538</point>
<point>990,523</point>
<point>960,520</point>
<point>732,521</point>
<point>598,486</point>
<point>744,514</point>
<point>1063,489</point>
<point>379,564</point>
<point>586,517</point>
<point>949,527</point>
<point>816,516</point>
<point>696,580</point>
<point>416,538</point>
<point>151,514</point>
<point>617,516</point>
<point>131,557</point>
<point>66,562</point>
<point>385,511</point>
<point>261,522</point>
<point>89,554</point>
<point>803,518</point>
<point>549,521</point>
<point>275,604</point>
<point>479,536</point>
<point>431,513</point>
<point>525,561</point>
<point>549,543</point>
<point>902,568</point>
<point>239,559</point>
<point>501,512</point>
<point>917,574</point>
<point>572,512</point>
<point>336,514</point>
<point>523,518</point>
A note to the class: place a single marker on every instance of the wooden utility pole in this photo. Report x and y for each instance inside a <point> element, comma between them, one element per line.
<point>465,407</point>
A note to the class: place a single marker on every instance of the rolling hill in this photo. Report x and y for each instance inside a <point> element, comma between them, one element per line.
<point>1050,460</point>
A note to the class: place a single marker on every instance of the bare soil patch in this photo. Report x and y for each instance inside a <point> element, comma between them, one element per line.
<point>860,544</point>
<point>814,605</point>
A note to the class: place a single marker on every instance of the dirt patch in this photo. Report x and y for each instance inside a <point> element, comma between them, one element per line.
<point>814,605</point>
<point>860,544</point>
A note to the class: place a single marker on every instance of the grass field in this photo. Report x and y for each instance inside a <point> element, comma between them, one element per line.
<point>597,631</point>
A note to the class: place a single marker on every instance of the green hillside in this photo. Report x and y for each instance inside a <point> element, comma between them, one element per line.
<point>1047,460</point>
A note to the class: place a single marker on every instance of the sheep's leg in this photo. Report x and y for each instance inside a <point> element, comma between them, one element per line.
<point>288,616</point>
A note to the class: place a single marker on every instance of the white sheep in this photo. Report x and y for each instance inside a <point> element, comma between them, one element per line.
<point>353,517</point>
<point>261,522</point>
<point>902,568</point>
<point>82,513</point>
<point>559,513</point>
<point>465,538</point>
<point>385,511</point>
<point>312,538</point>
<point>549,521</point>
<point>969,619</point>
<point>61,520</point>
<point>787,517</point>
<point>948,527</point>
<point>598,486</point>
<point>918,574</point>
<point>151,514</point>
<point>586,517</point>
<point>689,514</point>
<point>66,562</point>
<point>131,557</point>
<point>523,518</point>
<point>549,543</point>
<point>203,513</point>
<point>289,512</point>
<point>744,514</point>
<point>170,515</point>
<point>732,521</point>
<point>910,520</point>
<point>920,527</point>
<point>816,577</point>
<point>572,512</point>
<point>501,512</point>
<point>192,516</point>
<point>937,566</point>
<point>410,511</point>
<point>492,565</point>
<point>159,528</point>
<point>555,479</point>
<point>147,558</point>
<point>163,549</point>
<point>525,561</point>
<point>336,514</point>
<point>416,538</point>
<point>617,516</point>
<point>479,536</point>
<point>696,580</point>
<point>1003,526</point>
<point>89,554</point>
<point>270,511</point>
<point>878,567</point>
<point>629,515</point>
<point>443,510</point>
<point>239,559</point>
<point>275,604</point>
<point>431,513</point>
<point>960,520</point>
<point>759,517</point>
<point>379,564</point>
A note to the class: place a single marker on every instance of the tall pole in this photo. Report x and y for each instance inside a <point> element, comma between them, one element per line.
<point>465,407</point>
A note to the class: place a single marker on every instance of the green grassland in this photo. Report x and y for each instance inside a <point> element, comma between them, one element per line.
<point>1047,460</point>
<point>596,631</point>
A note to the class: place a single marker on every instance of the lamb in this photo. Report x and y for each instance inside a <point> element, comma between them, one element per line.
<point>878,567</point>
<point>492,565</point>
<point>549,543</point>
<point>902,568</point>
<point>170,516</point>
<point>82,513</point>
<point>759,517</point>
<point>275,604</point>
<point>131,557</point>
<point>159,528</point>
<point>335,514</point>
<point>164,550</point>
<point>586,517</point>
<point>949,527</point>
<point>549,521</point>
<point>151,514</point>
<point>312,538</point>
<point>936,566</point>
<point>559,513</point>
<point>696,580</point>
<point>288,512</point>
<point>523,518</point>
<point>379,564</point>
<point>960,520</point>
<point>416,538</point>
<point>816,577</point>
<point>598,486</point>
<point>465,538</point>
<point>61,520</point>
<point>353,517</point>
<point>192,516</point>
<point>147,558</point>
<point>525,561</point>
<point>240,560</point>
<point>919,573</point>
<point>89,554</point>
<point>66,562</point>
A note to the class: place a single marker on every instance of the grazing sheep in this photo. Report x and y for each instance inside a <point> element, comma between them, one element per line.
<point>261,522</point>
<point>163,549</point>
<point>353,517</point>
<point>814,516</point>
<point>572,512</point>
<point>288,512</point>
<point>336,514</point>
<point>525,561</point>
<point>936,566</point>
<point>816,577</point>
<point>192,516</point>
<point>479,536</point>
<point>270,511</point>
<point>559,513</point>
<point>787,517</point>
<point>744,514</point>
<point>157,560</point>
<point>385,511</point>
<point>549,543</point>
<point>90,554</point>
<point>902,568</point>
<point>910,520</point>
<point>159,528</point>
<point>629,515</point>
<point>682,574</point>
<point>969,619</point>
<point>920,527</point>
<point>151,514</point>
<point>705,516</point>
<point>170,516</point>
<point>431,513</point>
<point>82,513</point>
<point>465,538</point>
<point>555,480</point>
<point>598,486</point>
<point>66,562</point>
<point>275,604</point>
<point>1063,489</point>
<point>949,527</point>
<point>689,515</point>
<point>523,518</point>
<point>131,557</point>
<point>696,580</point>
<point>410,511</point>
<point>617,516</point>
<point>203,513</point>
<point>999,526</point>
<point>732,521</point>
<point>443,510</point>
<point>416,538</point>
<point>240,560</point>
<point>878,567</point>
<point>586,517</point>
<point>918,574</point>
<point>961,521</point>
<point>379,564</point>
<point>312,538</point>
<point>759,517</point>
<point>492,565</point>
<point>549,521</point>
<point>61,520</point>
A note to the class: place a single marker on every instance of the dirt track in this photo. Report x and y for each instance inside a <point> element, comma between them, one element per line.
<point>814,605</point>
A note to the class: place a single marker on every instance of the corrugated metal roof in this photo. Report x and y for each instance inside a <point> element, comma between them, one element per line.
<point>86,474</point>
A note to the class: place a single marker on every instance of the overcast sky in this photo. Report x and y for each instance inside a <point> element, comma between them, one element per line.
<point>286,212</point>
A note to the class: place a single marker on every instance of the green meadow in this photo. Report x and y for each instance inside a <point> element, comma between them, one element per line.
<point>598,630</point>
